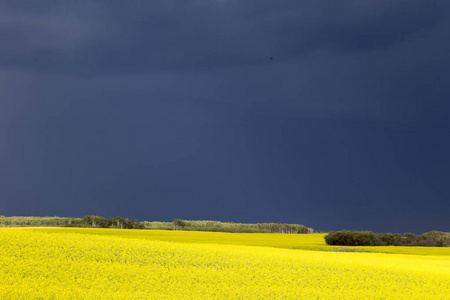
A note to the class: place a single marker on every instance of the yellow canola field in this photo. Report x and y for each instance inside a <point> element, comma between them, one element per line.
<point>289,241</point>
<point>62,265</point>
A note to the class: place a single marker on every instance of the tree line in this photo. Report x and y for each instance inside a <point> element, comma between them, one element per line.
<point>177,224</point>
<point>369,238</point>
<point>117,222</point>
<point>240,227</point>
<point>41,221</point>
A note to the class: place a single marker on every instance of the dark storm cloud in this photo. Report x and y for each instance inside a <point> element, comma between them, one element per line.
<point>101,37</point>
<point>157,110</point>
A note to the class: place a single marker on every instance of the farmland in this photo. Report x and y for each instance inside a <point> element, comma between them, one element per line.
<point>80,263</point>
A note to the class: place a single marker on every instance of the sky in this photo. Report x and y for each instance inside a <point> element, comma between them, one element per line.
<point>331,114</point>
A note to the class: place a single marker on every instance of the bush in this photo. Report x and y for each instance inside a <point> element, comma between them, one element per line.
<point>351,238</point>
<point>435,239</point>
<point>368,238</point>
<point>390,239</point>
<point>409,238</point>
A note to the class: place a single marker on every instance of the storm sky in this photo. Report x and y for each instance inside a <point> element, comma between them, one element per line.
<point>331,114</point>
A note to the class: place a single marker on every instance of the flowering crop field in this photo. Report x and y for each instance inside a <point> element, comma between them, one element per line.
<point>76,263</point>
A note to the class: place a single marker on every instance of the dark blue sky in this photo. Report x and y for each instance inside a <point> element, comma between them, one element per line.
<point>166,109</point>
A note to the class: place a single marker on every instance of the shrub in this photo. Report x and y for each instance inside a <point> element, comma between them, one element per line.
<point>368,238</point>
<point>409,238</point>
<point>351,238</point>
<point>390,239</point>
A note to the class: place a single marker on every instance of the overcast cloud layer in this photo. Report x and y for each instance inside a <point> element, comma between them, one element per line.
<point>330,114</point>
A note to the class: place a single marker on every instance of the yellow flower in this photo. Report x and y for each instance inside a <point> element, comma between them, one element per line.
<point>74,263</point>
